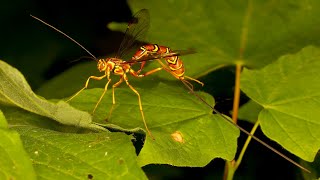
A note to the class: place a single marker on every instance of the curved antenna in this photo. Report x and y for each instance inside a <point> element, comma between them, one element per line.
<point>56,29</point>
<point>82,57</point>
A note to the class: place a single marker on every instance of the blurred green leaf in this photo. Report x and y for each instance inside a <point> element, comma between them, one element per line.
<point>223,33</point>
<point>15,90</point>
<point>288,90</point>
<point>3,122</point>
<point>57,155</point>
<point>253,33</point>
<point>249,111</point>
<point>15,162</point>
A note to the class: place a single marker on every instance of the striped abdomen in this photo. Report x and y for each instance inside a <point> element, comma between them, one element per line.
<point>174,62</point>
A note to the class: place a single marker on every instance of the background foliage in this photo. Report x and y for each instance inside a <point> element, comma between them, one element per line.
<point>225,33</point>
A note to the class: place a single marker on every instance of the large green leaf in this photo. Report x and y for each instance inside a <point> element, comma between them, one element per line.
<point>57,155</point>
<point>15,90</point>
<point>179,122</point>
<point>185,113</point>
<point>288,90</point>
<point>15,162</point>
<point>73,156</point>
<point>3,122</point>
<point>181,144</point>
<point>253,33</point>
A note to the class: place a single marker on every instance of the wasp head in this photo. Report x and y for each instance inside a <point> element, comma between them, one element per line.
<point>102,65</point>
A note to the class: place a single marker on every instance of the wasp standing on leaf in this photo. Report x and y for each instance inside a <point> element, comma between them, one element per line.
<point>136,30</point>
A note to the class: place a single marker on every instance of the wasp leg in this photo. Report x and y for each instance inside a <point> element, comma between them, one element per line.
<point>187,83</point>
<point>113,96</point>
<point>182,78</point>
<point>86,85</point>
<point>137,74</point>
<point>195,80</point>
<point>140,105</point>
<point>141,67</point>
<point>102,95</point>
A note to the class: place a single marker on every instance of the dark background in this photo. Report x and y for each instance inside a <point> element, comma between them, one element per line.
<point>41,53</point>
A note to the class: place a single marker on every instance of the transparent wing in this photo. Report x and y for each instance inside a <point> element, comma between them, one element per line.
<point>151,57</point>
<point>136,31</point>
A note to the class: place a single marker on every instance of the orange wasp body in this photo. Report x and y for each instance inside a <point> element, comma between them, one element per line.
<point>136,28</point>
<point>174,65</point>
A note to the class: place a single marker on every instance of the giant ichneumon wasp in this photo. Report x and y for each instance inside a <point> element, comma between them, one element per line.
<point>116,65</point>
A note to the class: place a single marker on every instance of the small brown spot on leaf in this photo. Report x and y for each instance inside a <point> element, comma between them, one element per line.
<point>90,176</point>
<point>121,161</point>
<point>177,136</point>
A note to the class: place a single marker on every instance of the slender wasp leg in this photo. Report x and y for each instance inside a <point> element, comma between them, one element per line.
<point>187,83</point>
<point>195,80</point>
<point>86,85</point>
<point>113,96</point>
<point>140,105</point>
<point>181,78</point>
<point>165,67</point>
<point>102,95</point>
<point>141,67</point>
<point>136,74</point>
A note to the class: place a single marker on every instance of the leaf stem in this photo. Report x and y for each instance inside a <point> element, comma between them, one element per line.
<point>245,146</point>
<point>236,95</point>
<point>230,169</point>
<point>231,166</point>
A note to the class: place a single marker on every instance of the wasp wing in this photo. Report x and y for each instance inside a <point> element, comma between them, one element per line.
<point>135,32</point>
<point>153,56</point>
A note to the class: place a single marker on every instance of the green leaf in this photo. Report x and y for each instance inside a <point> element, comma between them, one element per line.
<point>15,90</point>
<point>182,107</point>
<point>57,155</point>
<point>19,117</point>
<point>3,122</point>
<point>288,90</point>
<point>194,142</point>
<point>15,162</point>
<point>179,122</point>
<point>249,111</point>
<point>231,32</point>
<point>224,33</point>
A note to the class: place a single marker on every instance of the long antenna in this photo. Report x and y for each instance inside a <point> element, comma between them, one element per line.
<point>56,29</point>
<point>246,132</point>
<point>200,98</point>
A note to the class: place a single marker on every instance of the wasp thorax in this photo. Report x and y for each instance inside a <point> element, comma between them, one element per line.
<point>102,65</point>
